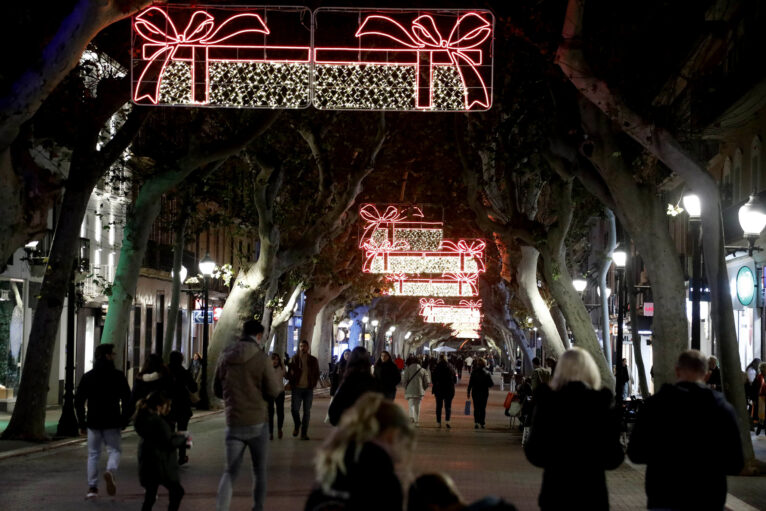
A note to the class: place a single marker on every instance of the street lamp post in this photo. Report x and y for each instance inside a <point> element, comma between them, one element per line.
<point>206,267</point>
<point>365,320</point>
<point>67,425</point>
<point>694,208</point>
<point>374,339</point>
<point>752,219</point>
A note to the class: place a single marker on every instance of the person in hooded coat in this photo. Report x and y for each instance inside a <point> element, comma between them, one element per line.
<point>444,379</point>
<point>356,381</point>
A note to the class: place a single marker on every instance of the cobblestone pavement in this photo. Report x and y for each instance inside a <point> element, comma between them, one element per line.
<point>482,462</point>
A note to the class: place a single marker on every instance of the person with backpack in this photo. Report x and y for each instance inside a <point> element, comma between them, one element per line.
<point>416,381</point>
<point>157,459</point>
<point>479,384</point>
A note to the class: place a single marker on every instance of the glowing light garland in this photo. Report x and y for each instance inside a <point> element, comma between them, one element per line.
<point>449,284</point>
<point>226,59</point>
<point>270,57</point>
<point>467,312</point>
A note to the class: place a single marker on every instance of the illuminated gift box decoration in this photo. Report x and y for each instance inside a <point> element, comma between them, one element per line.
<point>464,256</point>
<point>223,57</point>
<point>438,60</point>
<point>399,226</point>
<point>450,284</point>
<point>465,312</point>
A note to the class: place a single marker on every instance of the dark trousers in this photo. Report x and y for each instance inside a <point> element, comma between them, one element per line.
<point>479,408</point>
<point>278,403</point>
<point>176,494</point>
<point>181,425</point>
<point>447,402</point>
<point>305,397</point>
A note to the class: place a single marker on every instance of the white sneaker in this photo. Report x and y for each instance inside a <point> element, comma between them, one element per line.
<point>92,493</point>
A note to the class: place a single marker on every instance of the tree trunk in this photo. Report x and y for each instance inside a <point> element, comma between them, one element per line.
<point>630,282</point>
<point>280,339</point>
<point>527,278</point>
<point>605,262</point>
<point>663,145</point>
<point>561,325</point>
<point>316,298</point>
<point>268,311</point>
<point>321,341</point>
<point>175,294</point>
<point>87,166</point>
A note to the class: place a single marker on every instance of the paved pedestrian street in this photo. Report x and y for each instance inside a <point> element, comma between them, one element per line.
<point>482,462</point>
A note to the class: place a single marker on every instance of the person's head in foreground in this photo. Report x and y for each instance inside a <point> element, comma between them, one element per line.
<point>372,419</point>
<point>437,492</point>
<point>576,365</point>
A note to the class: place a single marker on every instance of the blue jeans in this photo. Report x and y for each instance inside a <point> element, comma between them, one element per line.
<point>305,396</point>
<point>237,440</point>
<point>96,439</point>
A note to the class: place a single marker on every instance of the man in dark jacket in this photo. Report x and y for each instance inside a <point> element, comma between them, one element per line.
<point>687,435</point>
<point>303,373</point>
<point>244,378</point>
<point>108,398</point>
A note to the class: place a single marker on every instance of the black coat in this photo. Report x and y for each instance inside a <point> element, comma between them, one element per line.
<point>387,375</point>
<point>182,383</point>
<point>354,384</point>
<point>443,378</point>
<point>687,435</point>
<point>107,393</point>
<point>369,483</point>
<point>480,382</point>
<point>574,437</point>
<point>157,450</point>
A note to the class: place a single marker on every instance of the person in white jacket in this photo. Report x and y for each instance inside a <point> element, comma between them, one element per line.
<point>416,380</point>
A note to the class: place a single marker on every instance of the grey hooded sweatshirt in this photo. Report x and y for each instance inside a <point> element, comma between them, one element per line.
<point>244,379</point>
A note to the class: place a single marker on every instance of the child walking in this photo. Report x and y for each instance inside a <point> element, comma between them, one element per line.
<point>157,451</point>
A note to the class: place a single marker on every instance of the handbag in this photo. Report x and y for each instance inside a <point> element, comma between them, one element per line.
<point>194,397</point>
<point>468,407</point>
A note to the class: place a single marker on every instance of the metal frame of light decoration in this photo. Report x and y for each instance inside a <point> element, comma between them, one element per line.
<point>388,60</point>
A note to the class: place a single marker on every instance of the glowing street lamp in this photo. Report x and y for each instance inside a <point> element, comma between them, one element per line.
<point>693,206</point>
<point>206,268</point>
<point>580,285</point>
<point>752,219</point>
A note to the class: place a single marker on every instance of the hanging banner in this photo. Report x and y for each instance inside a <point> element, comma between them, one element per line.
<point>245,57</point>
<point>336,59</point>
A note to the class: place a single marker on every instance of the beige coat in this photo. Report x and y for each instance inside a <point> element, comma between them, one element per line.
<point>243,378</point>
<point>418,381</point>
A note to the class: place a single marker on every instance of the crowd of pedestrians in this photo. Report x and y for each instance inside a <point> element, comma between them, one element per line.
<point>686,467</point>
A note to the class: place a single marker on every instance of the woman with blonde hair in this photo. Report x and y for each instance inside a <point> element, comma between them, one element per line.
<point>574,457</point>
<point>355,466</point>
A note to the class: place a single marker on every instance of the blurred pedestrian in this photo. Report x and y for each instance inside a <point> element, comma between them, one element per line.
<point>357,380</point>
<point>355,467</point>
<point>621,381</point>
<point>196,368</point>
<point>479,385</point>
<point>437,492</point>
<point>387,375</point>
<point>340,369</point>
<point>540,375</point>
<point>106,393</point>
<point>303,373</point>
<point>713,376</point>
<point>244,379</point>
<point>573,476</point>
<point>277,404</point>
<point>459,367</point>
<point>157,458</point>
<point>153,377</point>
<point>686,468</point>
<point>444,379</point>
<point>416,382</point>
<point>181,405</point>
<point>760,383</point>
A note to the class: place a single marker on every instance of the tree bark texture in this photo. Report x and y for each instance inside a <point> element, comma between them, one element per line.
<point>60,55</point>
<point>175,293</point>
<point>556,272</point>
<point>530,294</point>
<point>642,214</point>
<point>663,145</point>
<point>605,263</point>
<point>561,325</point>
<point>87,166</point>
